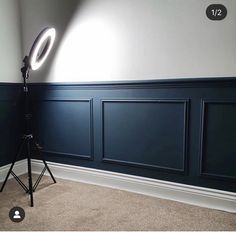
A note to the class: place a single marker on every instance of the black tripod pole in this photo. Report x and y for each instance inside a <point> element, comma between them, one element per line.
<point>28,134</point>
<point>27,142</point>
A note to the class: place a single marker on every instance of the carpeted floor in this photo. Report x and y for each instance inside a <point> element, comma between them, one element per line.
<point>76,206</point>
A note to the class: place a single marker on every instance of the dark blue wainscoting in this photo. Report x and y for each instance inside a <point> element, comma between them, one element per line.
<point>156,128</point>
<point>10,117</point>
<point>176,130</point>
<point>61,122</point>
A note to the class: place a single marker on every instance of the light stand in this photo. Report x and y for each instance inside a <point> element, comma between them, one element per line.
<point>27,141</point>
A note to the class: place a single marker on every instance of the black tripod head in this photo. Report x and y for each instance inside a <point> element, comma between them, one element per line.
<point>25,68</point>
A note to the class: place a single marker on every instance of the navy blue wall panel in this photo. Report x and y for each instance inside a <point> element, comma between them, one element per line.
<point>218,152</point>
<point>156,128</point>
<point>59,120</point>
<point>10,127</point>
<point>182,131</point>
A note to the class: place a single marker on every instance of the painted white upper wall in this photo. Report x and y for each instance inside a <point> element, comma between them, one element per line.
<point>10,41</point>
<point>106,40</point>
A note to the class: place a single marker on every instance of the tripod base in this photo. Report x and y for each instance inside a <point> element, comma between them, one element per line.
<point>27,142</point>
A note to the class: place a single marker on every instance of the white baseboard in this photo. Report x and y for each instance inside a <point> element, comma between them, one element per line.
<point>194,195</point>
<point>19,169</point>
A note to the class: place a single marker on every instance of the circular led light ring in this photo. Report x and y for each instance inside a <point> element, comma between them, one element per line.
<point>47,35</point>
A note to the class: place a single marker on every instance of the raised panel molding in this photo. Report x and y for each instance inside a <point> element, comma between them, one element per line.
<point>205,124</point>
<point>184,166</point>
<point>91,134</point>
<point>181,165</point>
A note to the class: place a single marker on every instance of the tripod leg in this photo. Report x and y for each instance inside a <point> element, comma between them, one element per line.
<point>13,163</point>
<point>30,174</point>
<point>49,171</point>
<point>45,163</point>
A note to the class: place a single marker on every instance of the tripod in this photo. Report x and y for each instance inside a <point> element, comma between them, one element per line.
<point>27,142</point>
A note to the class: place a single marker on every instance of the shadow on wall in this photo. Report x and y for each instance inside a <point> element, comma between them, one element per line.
<point>89,42</point>
<point>36,15</point>
<point>69,9</point>
<point>103,40</point>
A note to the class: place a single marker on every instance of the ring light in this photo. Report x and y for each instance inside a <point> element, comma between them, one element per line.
<point>37,56</point>
<point>41,47</point>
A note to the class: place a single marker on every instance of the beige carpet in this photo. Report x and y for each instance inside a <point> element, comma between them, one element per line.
<point>76,206</point>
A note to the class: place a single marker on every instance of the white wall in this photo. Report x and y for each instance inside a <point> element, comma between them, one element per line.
<point>104,40</point>
<point>10,41</point>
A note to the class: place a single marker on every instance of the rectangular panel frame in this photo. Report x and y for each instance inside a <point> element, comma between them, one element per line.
<point>91,133</point>
<point>204,103</point>
<point>184,170</point>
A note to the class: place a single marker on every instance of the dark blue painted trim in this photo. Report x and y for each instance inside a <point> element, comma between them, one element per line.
<point>204,103</point>
<point>14,85</point>
<point>185,134</point>
<point>193,90</point>
<point>152,84</point>
<point>70,155</point>
<point>143,165</point>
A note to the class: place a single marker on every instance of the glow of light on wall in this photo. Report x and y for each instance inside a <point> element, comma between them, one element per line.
<point>89,51</point>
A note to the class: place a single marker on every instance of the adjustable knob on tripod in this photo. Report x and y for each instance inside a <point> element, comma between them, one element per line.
<point>38,146</point>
